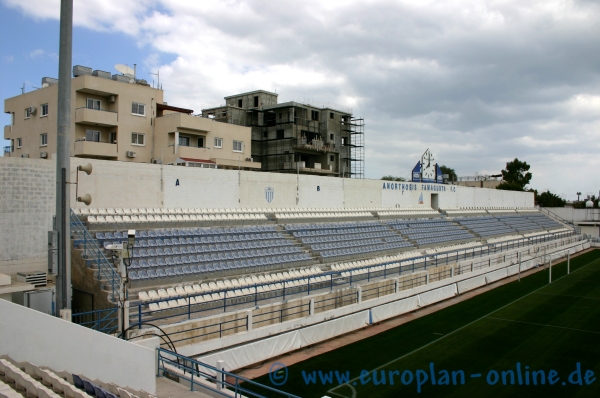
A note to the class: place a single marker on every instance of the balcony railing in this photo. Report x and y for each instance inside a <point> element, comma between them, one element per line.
<point>96,117</point>
<point>8,149</point>
<point>95,149</point>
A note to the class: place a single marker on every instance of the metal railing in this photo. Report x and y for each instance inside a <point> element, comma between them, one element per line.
<point>281,315</point>
<point>202,377</point>
<point>9,149</point>
<point>92,252</point>
<point>197,305</point>
<point>556,216</point>
<point>105,321</point>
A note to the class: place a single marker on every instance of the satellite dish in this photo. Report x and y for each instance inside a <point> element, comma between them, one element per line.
<point>125,70</point>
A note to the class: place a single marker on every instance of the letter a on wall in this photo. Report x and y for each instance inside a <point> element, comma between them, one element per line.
<point>177,182</point>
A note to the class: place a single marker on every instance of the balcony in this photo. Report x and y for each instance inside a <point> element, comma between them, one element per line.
<point>193,152</point>
<point>91,149</point>
<point>8,150</point>
<point>96,117</point>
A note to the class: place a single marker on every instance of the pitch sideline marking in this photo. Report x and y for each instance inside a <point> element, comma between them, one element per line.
<point>541,324</point>
<point>451,333</point>
<point>566,295</point>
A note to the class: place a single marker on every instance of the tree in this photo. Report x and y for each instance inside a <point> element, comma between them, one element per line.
<point>451,173</point>
<point>516,176</point>
<point>392,178</point>
<point>548,199</point>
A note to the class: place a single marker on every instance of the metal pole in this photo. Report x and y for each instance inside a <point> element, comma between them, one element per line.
<point>568,263</point>
<point>519,260</point>
<point>63,169</point>
<point>550,269</point>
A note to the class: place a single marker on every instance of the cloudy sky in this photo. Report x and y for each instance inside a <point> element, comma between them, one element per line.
<point>479,82</point>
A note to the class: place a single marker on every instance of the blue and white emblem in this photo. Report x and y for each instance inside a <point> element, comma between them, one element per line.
<point>269,194</point>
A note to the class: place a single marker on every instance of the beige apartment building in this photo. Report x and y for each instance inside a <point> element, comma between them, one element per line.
<point>119,118</point>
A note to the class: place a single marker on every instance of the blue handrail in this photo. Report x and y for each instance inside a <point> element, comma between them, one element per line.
<point>90,248</point>
<point>221,379</point>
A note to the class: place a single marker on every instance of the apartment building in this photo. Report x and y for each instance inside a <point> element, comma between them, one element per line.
<point>297,136</point>
<point>117,117</point>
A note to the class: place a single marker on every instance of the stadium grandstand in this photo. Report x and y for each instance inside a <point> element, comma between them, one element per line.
<point>221,275</point>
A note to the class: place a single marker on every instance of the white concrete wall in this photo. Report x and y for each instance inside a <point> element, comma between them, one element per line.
<point>571,214</point>
<point>28,185</point>
<point>44,340</point>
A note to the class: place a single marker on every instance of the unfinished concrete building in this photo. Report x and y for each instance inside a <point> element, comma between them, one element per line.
<point>295,136</point>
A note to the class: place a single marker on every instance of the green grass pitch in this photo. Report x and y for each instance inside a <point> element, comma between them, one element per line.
<point>525,339</point>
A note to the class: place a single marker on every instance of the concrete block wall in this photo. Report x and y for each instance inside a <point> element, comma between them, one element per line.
<point>26,208</point>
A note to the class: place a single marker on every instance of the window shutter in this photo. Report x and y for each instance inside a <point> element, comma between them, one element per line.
<point>133,107</point>
<point>89,135</point>
<point>141,110</point>
<point>90,103</point>
<point>141,139</point>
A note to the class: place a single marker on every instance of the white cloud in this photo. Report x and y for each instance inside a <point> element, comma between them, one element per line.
<point>8,58</point>
<point>478,82</point>
<point>37,53</point>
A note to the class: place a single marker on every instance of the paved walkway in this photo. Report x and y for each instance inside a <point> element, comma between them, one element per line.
<point>166,388</point>
<point>369,331</point>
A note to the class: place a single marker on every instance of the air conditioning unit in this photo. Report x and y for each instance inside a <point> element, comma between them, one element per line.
<point>130,154</point>
<point>43,155</point>
<point>249,160</point>
<point>112,98</point>
<point>25,155</point>
<point>32,110</point>
<point>157,161</point>
<point>36,278</point>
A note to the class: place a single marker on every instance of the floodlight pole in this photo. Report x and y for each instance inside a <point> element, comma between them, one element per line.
<point>568,262</point>
<point>63,167</point>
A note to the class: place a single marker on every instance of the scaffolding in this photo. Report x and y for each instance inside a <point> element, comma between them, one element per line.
<point>356,159</point>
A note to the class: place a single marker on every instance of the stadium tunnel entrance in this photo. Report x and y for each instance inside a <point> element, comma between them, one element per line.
<point>434,201</point>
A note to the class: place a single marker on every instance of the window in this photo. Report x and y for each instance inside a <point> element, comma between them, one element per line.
<point>331,115</point>
<point>238,146</point>
<point>93,135</point>
<point>44,139</point>
<point>112,137</point>
<point>279,134</point>
<point>94,104</point>
<point>137,139</point>
<point>27,113</point>
<point>239,103</point>
<point>256,101</point>
<point>184,141</point>
<point>44,110</point>
<point>19,142</point>
<point>138,109</point>
<point>314,115</point>
<point>343,141</point>
<point>265,134</point>
<point>218,142</point>
<point>331,137</point>
<point>331,158</point>
<point>200,142</point>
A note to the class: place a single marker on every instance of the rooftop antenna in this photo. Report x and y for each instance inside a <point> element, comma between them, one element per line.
<point>23,89</point>
<point>157,74</point>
